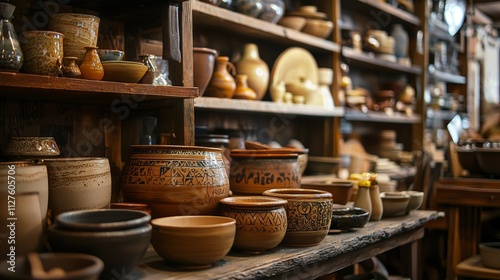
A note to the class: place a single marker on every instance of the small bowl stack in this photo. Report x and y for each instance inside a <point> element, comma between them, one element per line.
<point>308,20</point>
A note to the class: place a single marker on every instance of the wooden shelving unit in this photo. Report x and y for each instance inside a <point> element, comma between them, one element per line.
<point>370,60</point>
<point>373,116</point>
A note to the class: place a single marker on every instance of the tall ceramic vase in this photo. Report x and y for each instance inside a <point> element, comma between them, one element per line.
<point>255,68</point>
<point>222,83</point>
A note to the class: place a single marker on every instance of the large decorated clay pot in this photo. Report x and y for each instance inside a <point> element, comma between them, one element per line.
<point>255,68</point>
<point>309,214</point>
<point>175,180</point>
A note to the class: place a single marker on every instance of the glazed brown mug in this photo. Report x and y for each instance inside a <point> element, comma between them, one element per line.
<point>43,52</point>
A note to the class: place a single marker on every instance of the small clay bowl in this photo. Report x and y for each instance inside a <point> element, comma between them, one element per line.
<point>293,22</point>
<point>123,71</point>
<point>318,27</point>
<point>110,55</point>
<point>340,189</point>
<point>348,218</point>
<point>32,147</point>
<point>102,219</point>
<point>416,199</point>
<point>394,203</point>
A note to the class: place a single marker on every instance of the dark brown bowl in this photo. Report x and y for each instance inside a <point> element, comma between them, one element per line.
<point>340,189</point>
<point>349,218</point>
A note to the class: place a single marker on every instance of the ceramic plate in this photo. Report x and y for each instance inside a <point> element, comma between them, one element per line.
<point>454,15</point>
<point>293,64</point>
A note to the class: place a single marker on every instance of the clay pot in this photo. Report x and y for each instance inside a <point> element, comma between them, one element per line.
<point>31,147</point>
<point>43,52</point>
<point>242,90</point>
<point>340,189</point>
<point>175,180</point>
<point>222,83</point>
<point>260,221</point>
<point>70,69</point>
<point>78,184</point>
<point>91,66</point>
<point>255,68</point>
<point>255,171</point>
<point>203,67</point>
<point>80,30</point>
<point>309,214</point>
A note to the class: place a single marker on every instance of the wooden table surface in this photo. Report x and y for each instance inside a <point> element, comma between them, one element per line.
<point>336,251</point>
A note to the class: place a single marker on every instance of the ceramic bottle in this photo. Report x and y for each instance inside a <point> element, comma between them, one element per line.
<point>377,208</point>
<point>222,83</point>
<point>69,68</point>
<point>11,55</point>
<point>363,199</point>
<point>242,90</point>
<point>400,41</point>
<point>255,68</point>
<point>91,66</point>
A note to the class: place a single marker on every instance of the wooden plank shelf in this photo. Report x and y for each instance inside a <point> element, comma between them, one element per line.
<point>373,116</point>
<point>211,15</point>
<point>442,76</point>
<point>267,107</point>
<point>395,13</point>
<point>48,88</point>
<point>370,60</point>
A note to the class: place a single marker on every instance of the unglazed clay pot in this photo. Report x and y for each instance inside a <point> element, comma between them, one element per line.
<point>203,67</point>
<point>309,214</point>
<point>43,52</point>
<point>255,68</point>
<point>32,147</point>
<point>78,184</point>
<point>175,180</point>
<point>255,171</point>
<point>222,83</point>
<point>260,221</point>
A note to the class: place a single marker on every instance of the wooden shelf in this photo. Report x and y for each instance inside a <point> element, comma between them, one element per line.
<point>439,29</point>
<point>440,114</point>
<point>393,11</point>
<point>268,107</point>
<point>213,16</point>
<point>370,60</point>
<point>442,76</point>
<point>373,116</point>
<point>48,88</point>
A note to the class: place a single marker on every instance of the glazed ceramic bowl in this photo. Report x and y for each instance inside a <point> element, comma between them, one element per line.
<point>102,219</point>
<point>416,199</point>
<point>490,254</point>
<point>123,71</point>
<point>203,67</point>
<point>32,147</point>
<point>43,52</point>
<point>175,180</point>
<point>293,22</point>
<point>347,218</point>
<point>318,27</point>
<point>193,241</point>
<point>80,30</point>
<point>78,184</point>
<point>309,214</point>
<point>120,249</point>
<point>75,266</point>
<point>110,55</point>
<point>260,221</point>
<point>394,203</point>
<point>254,171</point>
<point>340,189</point>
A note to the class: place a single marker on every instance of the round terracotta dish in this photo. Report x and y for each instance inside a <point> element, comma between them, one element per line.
<point>193,242</point>
<point>123,71</point>
<point>309,214</point>
<point>260,221</point>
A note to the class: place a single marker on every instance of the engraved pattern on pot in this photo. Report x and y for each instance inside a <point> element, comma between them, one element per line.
<point>32,146</point>
<point>260,174</point>
<point>258,221</point>
<point>304,216</point>
<point>43,52</point>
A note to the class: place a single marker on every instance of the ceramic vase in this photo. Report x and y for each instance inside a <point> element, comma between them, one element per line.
<point>255,68</point>
<point>242,90</point>
<point>43,52</point>
<point>309,214</point>
<point>11,55</point>
<point>91,66</point>
<point>400,41</point>
<point>363,199</point>
<point>203,67</point>
<point>252,8</point>
<point>261,222</point>
<point>377,207</point>
<point>222,83</point>
<point>272,11</point>
<point>70,69</point>
<point>175,180</point>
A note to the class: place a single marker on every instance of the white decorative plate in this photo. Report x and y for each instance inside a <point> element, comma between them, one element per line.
<point>292,64</point>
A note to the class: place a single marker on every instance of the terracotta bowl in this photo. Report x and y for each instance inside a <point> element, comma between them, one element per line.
<point>318,27</point>
<point>340,189</point>
<point>293,22</point>
<point>260,221</point>
<point>110,55</point>
<point>193,241</point>
<point>175,180</point>
<point>123,71</point>
<point>75,266</point>
<point>102,219</point>
<point>203,67</point>
<point>32,147</point>
<point>254,171</point>
<point>347,218</point>
<point>309,214</point>
<point>394,203</point>
<point>416,199</point>
<point>490,254</point>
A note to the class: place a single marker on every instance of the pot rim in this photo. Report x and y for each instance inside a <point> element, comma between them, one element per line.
<point>292,193</point>
<point>168,223</point>
<point>138,148</point>
<point>66,220</point>
<point>205,50</point>
<point>255,201</point>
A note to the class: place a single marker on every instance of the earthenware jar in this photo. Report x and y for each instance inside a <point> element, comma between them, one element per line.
<point>251,8</point>
<point>363,199</point>
<point>377,207</point>
<point>242,90</point>
<point>255,171</point>
<point>43,52</point>
<point>222,83</point>
<point>11,55</point>
<point>91,66</point>
<point>261,221</point>
<point>175,180</point>
<point>255,68</point>
<point>78,184</point>
<point>309,214</point>
<point>203,67</point>
<point>70,69</point>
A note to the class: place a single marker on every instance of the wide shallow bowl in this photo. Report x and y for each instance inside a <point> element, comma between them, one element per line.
<point>416,199</point>
<point>102,219</point>
<point>123,71</point>
<point>75,266</point>
<point>293,22</point>
<point>193,241</point>
<point>110,55</point>
<point>309,214</point>
<point>347,218</point>
<point>32,147</point>
<point>318,27</point>
<point>340,189</point>
<point>394,203</point>
<point>120,250</point>
<point>490,254</point>
<point>260,221</point>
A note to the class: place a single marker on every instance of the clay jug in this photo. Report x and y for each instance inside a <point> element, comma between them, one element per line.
<point>91,66</point>
<point>377,207</point>
<point>242,90</point>
<point>255,68</point>
<point>222,83</point>
<point>363,199</point>
<point>70,69</point>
